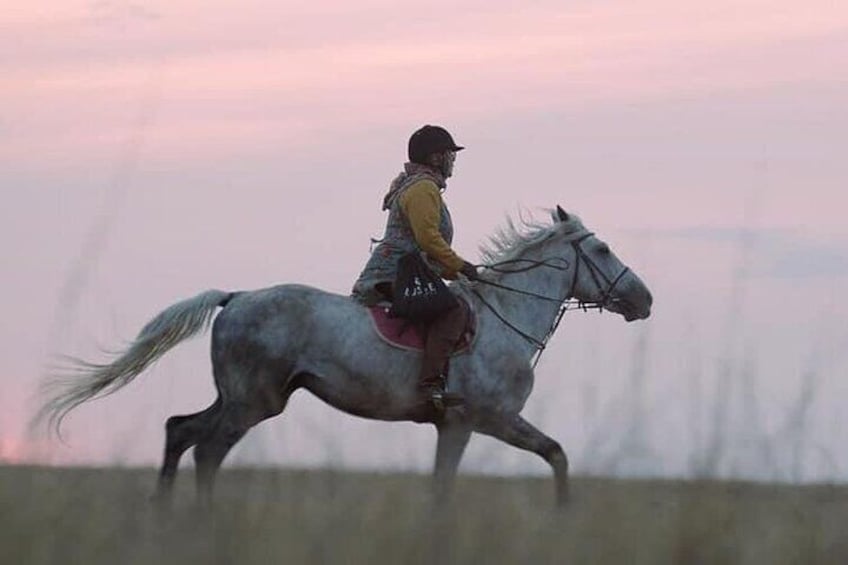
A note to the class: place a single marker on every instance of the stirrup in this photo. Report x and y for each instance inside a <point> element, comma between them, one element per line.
<point>438,400</point>
<point>442,399</point>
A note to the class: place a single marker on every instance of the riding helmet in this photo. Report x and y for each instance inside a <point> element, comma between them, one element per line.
<point>430,139</point>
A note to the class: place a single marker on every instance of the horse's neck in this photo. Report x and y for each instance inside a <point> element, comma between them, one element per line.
<point>531,315</point>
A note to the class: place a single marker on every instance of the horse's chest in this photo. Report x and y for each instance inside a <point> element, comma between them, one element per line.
<point>502,383</point>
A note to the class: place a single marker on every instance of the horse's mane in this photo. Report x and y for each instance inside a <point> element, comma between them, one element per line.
<point>513,238</point>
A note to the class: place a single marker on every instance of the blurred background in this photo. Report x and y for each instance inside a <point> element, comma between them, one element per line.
<point>151,150</point>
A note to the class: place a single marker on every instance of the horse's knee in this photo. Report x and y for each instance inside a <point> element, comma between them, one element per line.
<point>554,454</point>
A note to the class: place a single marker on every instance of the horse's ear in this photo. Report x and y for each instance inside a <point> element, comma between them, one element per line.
<point>562,215</point>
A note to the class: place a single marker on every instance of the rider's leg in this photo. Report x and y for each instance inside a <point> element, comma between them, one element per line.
<point>442,336</point>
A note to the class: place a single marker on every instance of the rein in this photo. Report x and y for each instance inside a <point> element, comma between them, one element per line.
<point>565,303</point>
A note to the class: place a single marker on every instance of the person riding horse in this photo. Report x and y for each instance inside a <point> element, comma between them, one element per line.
<point>419,220</point>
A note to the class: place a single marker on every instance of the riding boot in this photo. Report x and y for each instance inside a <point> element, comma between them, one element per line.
<point>443,334</point>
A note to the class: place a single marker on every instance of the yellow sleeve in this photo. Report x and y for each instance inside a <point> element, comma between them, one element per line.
<point>422,205</point>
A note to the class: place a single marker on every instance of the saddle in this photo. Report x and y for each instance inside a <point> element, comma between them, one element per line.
<point>399,333</point>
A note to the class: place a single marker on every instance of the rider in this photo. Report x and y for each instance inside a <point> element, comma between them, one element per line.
<point>419,219</point>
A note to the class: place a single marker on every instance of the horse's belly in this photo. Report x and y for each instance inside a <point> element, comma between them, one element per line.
<point>360,398</point>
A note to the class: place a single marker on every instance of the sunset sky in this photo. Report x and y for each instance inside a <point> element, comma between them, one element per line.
<point>151,150</point>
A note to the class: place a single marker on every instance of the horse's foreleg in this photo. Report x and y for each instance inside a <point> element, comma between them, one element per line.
<point>516,431</point>
<point>453,437</point>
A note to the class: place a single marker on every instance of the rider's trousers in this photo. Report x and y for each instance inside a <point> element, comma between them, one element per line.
<point>443,334</point>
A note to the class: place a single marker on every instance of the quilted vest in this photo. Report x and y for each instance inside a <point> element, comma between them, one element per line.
<point>397,241</point>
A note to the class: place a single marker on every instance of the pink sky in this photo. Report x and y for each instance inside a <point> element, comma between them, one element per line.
<point>237,81</point>
<point>220,143</point>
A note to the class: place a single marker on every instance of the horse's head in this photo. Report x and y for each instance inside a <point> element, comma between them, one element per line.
<point>597,275</point>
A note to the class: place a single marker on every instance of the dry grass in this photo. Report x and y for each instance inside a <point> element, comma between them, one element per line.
<point>94,516</point>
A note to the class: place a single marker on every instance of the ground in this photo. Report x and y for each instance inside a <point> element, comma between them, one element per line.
<point>92,516</point>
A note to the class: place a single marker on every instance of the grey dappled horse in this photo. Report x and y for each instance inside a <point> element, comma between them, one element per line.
<point>268,343</point>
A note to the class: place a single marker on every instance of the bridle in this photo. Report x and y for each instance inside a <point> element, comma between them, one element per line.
<point>604,284</point>
<point>595,272</point>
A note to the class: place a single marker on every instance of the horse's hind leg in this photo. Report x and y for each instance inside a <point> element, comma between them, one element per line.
<point>233,422</point>
<point>516,431</point>
<point>453,437</point>
<point>211,450</point>
<point>182,432</point>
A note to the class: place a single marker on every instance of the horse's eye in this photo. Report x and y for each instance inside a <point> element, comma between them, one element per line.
<point>604,248</point>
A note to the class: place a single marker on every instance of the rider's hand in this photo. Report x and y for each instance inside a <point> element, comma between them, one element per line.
<point>469,271</point>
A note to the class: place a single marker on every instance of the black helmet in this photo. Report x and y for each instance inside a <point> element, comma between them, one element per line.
<point>428,140</point>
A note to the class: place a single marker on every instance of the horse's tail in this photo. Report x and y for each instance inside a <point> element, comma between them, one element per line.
<point>91,380</point>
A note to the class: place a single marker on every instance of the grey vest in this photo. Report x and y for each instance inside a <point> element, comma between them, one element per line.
<point>397,241</point>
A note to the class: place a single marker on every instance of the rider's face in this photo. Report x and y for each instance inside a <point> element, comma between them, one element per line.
<point>448,160</point>
<point>443,162</point>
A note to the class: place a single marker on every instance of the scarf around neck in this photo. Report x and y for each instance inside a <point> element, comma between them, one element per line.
<point>412,173</point>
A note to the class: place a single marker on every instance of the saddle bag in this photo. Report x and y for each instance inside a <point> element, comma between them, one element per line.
<point>419,294</point>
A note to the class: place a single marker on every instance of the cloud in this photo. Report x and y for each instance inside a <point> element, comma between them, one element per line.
<point>720,234</point>
<point>809,260</point>
<point>774,252</point>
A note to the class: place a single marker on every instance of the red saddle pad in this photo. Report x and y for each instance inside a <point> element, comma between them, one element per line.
<point>400,333</point>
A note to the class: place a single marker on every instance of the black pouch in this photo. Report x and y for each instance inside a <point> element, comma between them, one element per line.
<point>419,294</point>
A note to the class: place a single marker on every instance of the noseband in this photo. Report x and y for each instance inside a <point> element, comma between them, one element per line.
<point>605,287</point>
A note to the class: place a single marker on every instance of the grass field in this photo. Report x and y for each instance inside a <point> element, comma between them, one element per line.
<point>93,516</point>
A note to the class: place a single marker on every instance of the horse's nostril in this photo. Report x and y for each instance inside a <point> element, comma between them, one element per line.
<point>650,298</point>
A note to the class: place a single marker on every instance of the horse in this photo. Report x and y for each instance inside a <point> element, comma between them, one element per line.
<point>268,343</point>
